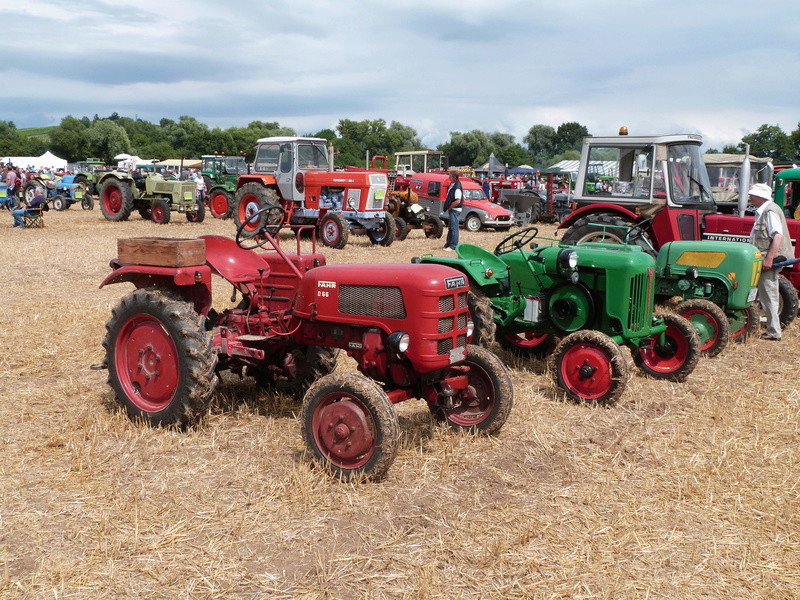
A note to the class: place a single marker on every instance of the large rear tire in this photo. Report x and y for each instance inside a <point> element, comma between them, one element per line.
<point>350,426</point>
<point>250,198</point>
<point>116,199</point>
<point>604,227</point>
<point>161,365</point>
<point>787,302</point>
<point>482,314</point>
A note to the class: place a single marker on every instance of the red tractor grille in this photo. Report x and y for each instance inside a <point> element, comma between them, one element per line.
<point>446,303</point>
<point>372,300</point>
<point>445,345</point>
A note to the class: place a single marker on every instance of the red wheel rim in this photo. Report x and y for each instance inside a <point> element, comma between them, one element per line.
<point>330,231</point>
<point>112,198</point>
<point>743,329</point>
<point>671,357</point>
<point>586,371</point>
<point>344,431</point>
<point>157,213</point>
<point>219,205</point>
<point>705,325</point>
<point>528,339</point>
<point>146,363</point>
<point>247,208</point>
<point>475,403</point>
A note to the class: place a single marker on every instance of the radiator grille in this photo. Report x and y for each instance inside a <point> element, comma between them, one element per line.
<point>372,300</point>
<point>446,345</point>
<point>445,324</point>
<point>446,304</point>
<point>640,302</point>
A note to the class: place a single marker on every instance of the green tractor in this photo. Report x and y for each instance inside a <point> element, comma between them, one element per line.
<point>594,297</point>
<point>714,282</point>
<point>152,195</point>
<point>220,174</point>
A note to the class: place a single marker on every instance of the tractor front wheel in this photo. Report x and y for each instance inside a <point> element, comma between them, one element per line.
<point>160,212</point>
<point>744,323</point>
<point>160,359</point>
<point>589,367</point>
<point>484,405</point>
<point>87,202</point>
<point>333,230</point>
<point>350,426</point>
<point>199,215</point>
<point>385,233</point>
<point>433,228</point>
<point>677,357</point>
<point>401,229</point>
<point>710,323</point>
<point>116,199</point>
<point>220,204</point>
<point>59,203</point>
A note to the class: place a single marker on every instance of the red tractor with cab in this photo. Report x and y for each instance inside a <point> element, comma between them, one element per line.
<point>296,174</point>
<point>406,326</point>
<point>659,183</point>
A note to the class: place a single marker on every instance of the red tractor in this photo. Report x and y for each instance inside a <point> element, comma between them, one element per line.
<point>407,327</point>
<point>660,185</point>
<point>297,175</point>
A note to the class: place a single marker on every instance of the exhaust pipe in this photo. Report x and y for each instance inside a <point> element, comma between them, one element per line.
<point>744,181</point>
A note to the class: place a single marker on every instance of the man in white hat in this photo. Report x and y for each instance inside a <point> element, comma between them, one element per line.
<point>770,235</point>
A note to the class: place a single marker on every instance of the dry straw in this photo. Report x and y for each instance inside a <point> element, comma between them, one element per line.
<point>679,491</point>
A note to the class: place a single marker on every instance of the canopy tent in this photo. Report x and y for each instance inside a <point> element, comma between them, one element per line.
<point>525,170</point>
<point>48,160</point>
<point>186,163</point>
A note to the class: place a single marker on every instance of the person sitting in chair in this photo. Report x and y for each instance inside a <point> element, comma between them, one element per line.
<point>36,204</point>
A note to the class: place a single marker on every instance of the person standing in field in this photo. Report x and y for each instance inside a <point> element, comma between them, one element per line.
<point>770,235</point>
<point>12,186</point>
<point>453,204</point>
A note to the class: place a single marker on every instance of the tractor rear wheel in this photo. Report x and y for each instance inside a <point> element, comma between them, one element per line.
<point>433,228</point>
<point>220,204</point>
<point>59,203</point>
<point>482,313</point>
<point>677,357</point>
<point>116,199</point>
<point>160,211</point>
<point>199,215</point>
<point>385,233</point>
<point>710,323</point>
<point>251,198</point>
<point>161,365</point>
<point>589,366</point>
<point>334,230</point>
<point>401,229</point>
<point>528,343</point>
<point>606,228</point>
<point>787,302</point>
<point>350,426</point>
<point>302,368</point>
<point>484,405</point>
<point>744,322</point>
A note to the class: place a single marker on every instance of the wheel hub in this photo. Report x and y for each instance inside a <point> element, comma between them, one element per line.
<point>586,371</point>
<point>343,430</point>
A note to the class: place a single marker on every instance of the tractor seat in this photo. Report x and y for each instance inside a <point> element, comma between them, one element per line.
<point>476,253</point>
<point>232,262</point>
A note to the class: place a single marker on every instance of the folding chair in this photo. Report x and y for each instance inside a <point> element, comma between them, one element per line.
<point>34,217</point>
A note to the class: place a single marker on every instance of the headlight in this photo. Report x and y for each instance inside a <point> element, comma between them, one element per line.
<point>568,259</point>
<point>399,341</point>
<point>470,327</point>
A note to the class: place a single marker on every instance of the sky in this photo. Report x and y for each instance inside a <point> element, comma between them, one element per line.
<point>720,68</point>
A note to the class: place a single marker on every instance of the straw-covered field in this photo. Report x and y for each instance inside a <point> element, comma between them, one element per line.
<point>679,491</point>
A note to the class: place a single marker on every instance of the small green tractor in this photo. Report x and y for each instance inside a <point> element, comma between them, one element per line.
<point>594,297</point>
<point>220,174</point>
<point>152,195</point>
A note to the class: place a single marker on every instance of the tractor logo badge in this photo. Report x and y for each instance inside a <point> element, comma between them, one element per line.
<point>452,283</point>
<point>327,284</point>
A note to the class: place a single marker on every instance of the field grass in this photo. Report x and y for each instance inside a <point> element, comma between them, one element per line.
<point>37,132</point>
<point>678,491</point>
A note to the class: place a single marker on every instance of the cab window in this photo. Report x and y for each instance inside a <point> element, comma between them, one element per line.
<point>267,158</point>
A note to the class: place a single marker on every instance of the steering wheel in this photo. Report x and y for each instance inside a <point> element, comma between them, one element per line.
<point>637,231</point>
<point>271,218</point>
<point>516,240</point>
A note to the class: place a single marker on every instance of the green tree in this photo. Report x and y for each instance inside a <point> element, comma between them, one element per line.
<point>569,136</point>
<point>541,143</point>
<point>105,139</point>
<point>769,141</point>
<point>68,140</point>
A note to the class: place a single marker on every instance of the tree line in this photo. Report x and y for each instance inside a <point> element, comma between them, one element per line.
<point>77,139</point>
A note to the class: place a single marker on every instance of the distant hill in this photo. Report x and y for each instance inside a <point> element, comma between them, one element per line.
<point>37,132</point>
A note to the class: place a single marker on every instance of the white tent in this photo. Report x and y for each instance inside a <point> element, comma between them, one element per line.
<point>48,160</point>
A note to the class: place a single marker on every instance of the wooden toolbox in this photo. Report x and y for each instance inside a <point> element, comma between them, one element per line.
<point>161,252</point>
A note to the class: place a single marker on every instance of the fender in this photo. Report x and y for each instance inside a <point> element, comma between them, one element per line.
<point>192,283</point>
<point>267,180</point>
<point>598,208</point>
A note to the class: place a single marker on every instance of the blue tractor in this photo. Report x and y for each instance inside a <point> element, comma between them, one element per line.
<point>61,192</point>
